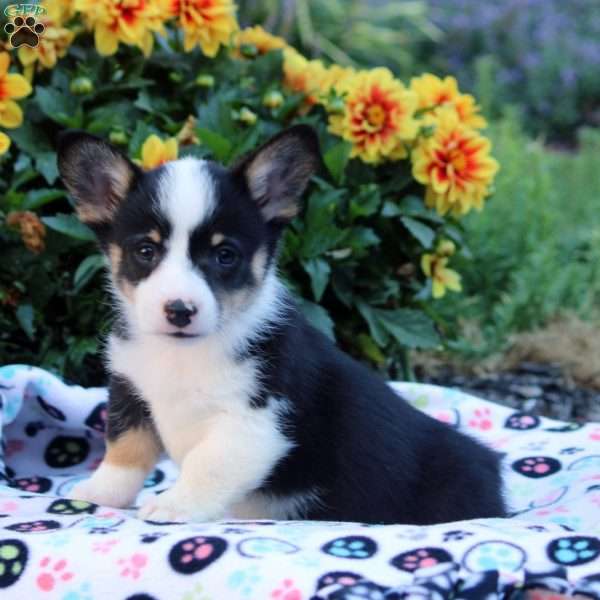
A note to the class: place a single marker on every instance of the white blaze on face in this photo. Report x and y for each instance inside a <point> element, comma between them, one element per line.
<point>187,198</point>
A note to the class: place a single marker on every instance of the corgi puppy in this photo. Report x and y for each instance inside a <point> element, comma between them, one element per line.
<point>211,361</point>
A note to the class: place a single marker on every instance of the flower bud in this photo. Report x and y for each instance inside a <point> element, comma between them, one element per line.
<point>81,86</point>
<point>246,116</point>
<point>248,50</point>
<point>118,137</point>
<point>205,80</point>
<point>273,99</point>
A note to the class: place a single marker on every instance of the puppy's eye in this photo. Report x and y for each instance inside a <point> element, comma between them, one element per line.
<point>226,256</point>
<point>146,252</point>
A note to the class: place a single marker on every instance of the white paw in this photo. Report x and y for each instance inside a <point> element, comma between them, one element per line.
<point>89,491</point>
<point>172,507</point>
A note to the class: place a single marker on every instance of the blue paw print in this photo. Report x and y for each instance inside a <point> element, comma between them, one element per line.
<point>494,556</point>
<point>574,550</point>
<point>83,593</point>
<point>263,546</point>
<point>353,546</point>
<point>244,580</point>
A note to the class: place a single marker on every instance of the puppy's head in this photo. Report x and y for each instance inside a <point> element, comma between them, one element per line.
<point>191,244</point>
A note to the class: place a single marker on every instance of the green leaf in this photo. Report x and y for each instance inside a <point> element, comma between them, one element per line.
<point>31,139</point>
<point>60,108</point>
<point>317,316</point>
<point>424,234</point>
<point>378,331</point>
<point>390,209</point>
<point>88,267</point>
<point>413,206</point>
<point>45,163</point>
<point>370,349</point>
<point>25,318</point>
<point>319,271</point>
<point>69,225</point>
<point>366,202</point>
<point>336,159</point>
<point>411,328</point>
<point>220,146</point>
<point>40,197</point>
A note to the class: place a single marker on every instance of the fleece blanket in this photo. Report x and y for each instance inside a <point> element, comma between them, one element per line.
<point>51,547</point>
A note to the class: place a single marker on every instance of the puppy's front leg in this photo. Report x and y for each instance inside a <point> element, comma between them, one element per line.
<point>233,459</point>
<point>132,449</point>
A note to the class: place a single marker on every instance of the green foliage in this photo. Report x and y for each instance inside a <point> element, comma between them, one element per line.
<point>538,242</point>
<point>352,257</point>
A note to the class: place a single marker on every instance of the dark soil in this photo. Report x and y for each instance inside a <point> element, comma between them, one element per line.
<point>541,389</point>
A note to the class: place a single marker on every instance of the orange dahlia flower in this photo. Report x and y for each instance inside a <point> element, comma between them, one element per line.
<point>455,165</point>
<point>256,36</point>
<point>378,117</point>
<point>12,86</point>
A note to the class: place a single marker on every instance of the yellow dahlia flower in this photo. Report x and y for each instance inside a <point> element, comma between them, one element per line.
<point>53,43</point>
<point>206,23</point>
<point>156,152</point>
<point>434,92</point>
<point>123,21</point>
<point>303,76</point>
<point>256,36</point>
<point>4,143</point>
<point>455,165</point>
<point>378,116</point>
<point>434,266</point>
<point>12,86</point>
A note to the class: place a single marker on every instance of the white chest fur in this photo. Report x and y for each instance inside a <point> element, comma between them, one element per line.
<point>189,388</point>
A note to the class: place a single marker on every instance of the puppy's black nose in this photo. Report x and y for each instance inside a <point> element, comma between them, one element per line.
<point>180,313</point>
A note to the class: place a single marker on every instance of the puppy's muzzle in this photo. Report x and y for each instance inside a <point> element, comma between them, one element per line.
<point>180,313</point>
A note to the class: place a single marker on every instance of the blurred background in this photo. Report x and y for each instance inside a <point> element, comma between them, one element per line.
<point>532,288</point>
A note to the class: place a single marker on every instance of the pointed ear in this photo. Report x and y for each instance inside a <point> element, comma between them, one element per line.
<point>97,175</point>
<point>279,171</point>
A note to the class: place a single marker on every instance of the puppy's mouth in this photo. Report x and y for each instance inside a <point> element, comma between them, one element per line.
<point>183,335</point>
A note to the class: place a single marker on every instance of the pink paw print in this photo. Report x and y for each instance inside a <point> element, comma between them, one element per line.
<point>133,566</point>
<point>54,572</point>
<point>481,419</point>
<point>287,591</point>
<point>8,507</point>
<point>104,547</point>
<point>595,434</point>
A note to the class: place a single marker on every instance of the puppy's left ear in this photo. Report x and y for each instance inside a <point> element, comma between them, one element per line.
<point>279,171</point>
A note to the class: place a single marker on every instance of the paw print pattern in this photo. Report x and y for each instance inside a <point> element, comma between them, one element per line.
<point>157,476</point>
<point>33,428</point>
<point>286,591</point>
<point>24,32</point>
<point>150,538</point>
<point>568,428</point>
<point>481,419</point>
<point>456,535</point>
<point>574,550</point>
<point>36,485</point>
<point>339,578</point>
<point>34,526</point>
<point>537,466</point>
<point>195,554</point>
<point>96,420</point>
<point>245,580</point>
<point>495,555</point>
<point>258,547</point>
<point>66,451</point>
<point>522,421</point>
<point>63,506</point>
<point>53,572</point>
<point>13,560</point>
<point>133,565</point>
<point>51,410</point>
<point>420,558</point>
<point>352,546</point>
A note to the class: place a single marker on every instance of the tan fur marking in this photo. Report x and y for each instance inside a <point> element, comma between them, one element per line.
<point>91,214</point>
<point>155,236</point>
<point>115,255</point>
<point>216,239</point>
<point>136,448</point>
<point>127,289</point>
<point>259,262</point>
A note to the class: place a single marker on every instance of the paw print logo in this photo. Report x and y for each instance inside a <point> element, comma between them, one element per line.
<point>34,526</point>
<point>286,591</point>
<point>537,466</point>
<point>194,554</point>
<point>53,573</point>
<point>522,421</point>
<point>24,32</point>
<point>133,565</point>
<point>66,451</point>
<point>574,550</point>
<point>13,558</point>
<point>420,558</point>
<point>37,485</point>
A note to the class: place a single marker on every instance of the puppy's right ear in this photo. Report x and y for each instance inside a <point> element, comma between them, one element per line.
<point>97,175</point>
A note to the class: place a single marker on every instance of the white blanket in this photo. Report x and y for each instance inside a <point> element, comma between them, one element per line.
<point>50,547</point>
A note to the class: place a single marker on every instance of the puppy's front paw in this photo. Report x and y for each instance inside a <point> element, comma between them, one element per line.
<point>90,491</point>
<point>173,507</point>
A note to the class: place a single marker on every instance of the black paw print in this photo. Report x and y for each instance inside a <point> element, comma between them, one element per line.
<point>574,550</point>
<point>522,421</point>
<point>34,526</point>
<point>157,476</point>
<point>71,507</point>
<point>13,558</point>
<point>456,535</point>
<point>35,484</point>
<point>194,554</point>
<point>420,558</point>
<point>352,546</point>
<point>65,451</point>
<point>96,420</point>
<point>537,466</point>
<point>150,538</point>
<point>24,32</point>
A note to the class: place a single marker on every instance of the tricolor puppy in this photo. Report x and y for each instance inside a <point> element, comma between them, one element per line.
<point>211,361</point>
